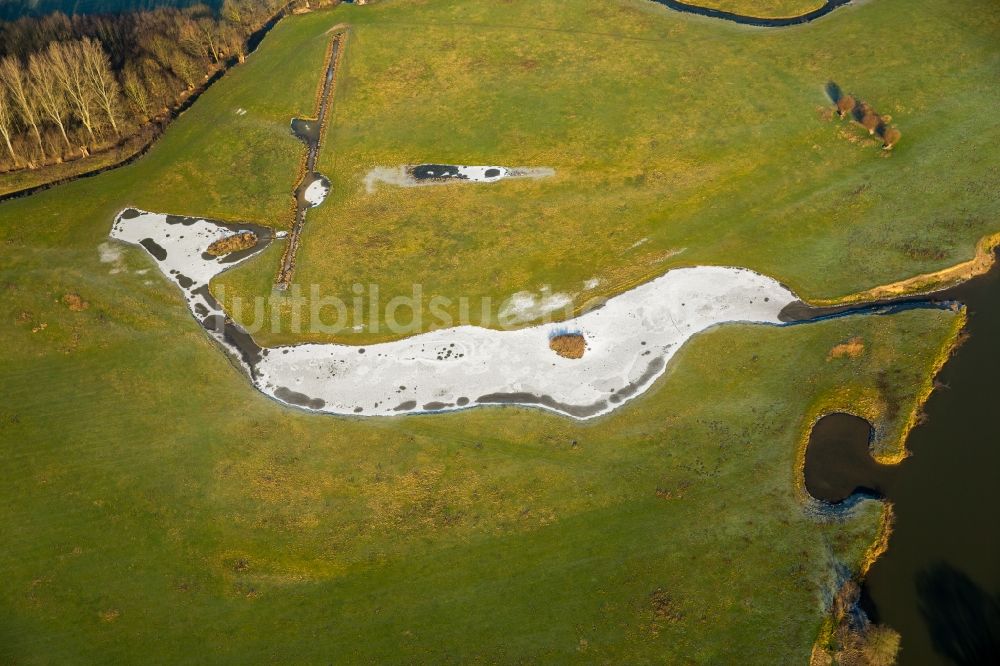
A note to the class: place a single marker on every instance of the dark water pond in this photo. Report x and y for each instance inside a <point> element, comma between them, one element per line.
<point>839,462</point>
<point>939,582</point>
<point>14,9</point>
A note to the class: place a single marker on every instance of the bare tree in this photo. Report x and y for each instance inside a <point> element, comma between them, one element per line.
<point>135,90</point>
<point>13,75</point>
<point>7,122</point>
<point>232,35</point>
<point>193,39</point>
<point>67,61</point>
<point>48,93</point>
<point>97,69</point>
<point>211,36</point>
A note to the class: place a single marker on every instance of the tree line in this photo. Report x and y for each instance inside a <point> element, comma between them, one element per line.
<point>73,85</point>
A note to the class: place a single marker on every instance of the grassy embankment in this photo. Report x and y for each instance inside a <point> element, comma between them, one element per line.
<point>677,141</point>
<point>155,507</point>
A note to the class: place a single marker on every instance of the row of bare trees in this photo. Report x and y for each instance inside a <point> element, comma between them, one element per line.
<point>68,82</point>
<point>73,85</point>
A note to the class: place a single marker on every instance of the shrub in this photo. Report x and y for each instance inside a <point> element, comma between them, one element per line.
<point>845,105</point>
<point>891,137</point>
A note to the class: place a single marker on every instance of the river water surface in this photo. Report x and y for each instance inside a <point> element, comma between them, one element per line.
<point>939,582</point>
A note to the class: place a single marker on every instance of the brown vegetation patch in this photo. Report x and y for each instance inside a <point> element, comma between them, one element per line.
<point>109,615</point>
<point>234,243</point>
<point>853,348</point>
<point>74,302</point>
<point>851,640</point>
<point>664,606</point>
<point>568,345</point>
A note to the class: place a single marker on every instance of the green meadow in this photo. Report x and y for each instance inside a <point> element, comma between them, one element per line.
<point>155,507</point>
<point>677,140</point>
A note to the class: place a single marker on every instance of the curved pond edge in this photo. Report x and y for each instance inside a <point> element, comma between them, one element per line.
<point>892,452</point>
<point>840,463</point>
<point>756,21</point>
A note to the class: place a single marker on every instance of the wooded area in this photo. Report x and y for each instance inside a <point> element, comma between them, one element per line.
<point>70,86</point>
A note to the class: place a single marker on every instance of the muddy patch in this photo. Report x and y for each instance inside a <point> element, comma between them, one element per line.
<point>298,399</point>
<point>417,175</point>
<point>154,249</point>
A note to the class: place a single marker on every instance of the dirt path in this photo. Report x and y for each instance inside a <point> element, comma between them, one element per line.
<point>313,139</point>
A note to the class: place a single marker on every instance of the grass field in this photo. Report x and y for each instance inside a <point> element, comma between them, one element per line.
<point>154,507</point>
<point>677,140</point>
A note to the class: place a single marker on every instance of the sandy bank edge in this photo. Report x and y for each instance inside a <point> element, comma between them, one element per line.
<point>926,283</point>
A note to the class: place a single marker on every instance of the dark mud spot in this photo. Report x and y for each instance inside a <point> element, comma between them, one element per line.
<point>286,394</point>
<point>235,338</point>
<point>405,406</point>
<point>434,406</point>
<point>207,295</point>
<point>153,248</point>
<point>839,462</point>
<point>462,402</point>
<point>647,376</point>
<point>184,280</point>
<point>200,310</point>
<point>434,171</point>
<point>520,397</point>
<point>180,219</point>
<point>492,173</point>
<point>130,214</point>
